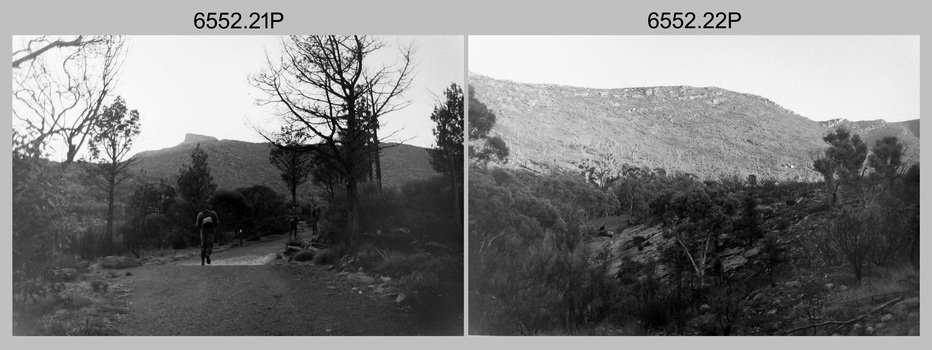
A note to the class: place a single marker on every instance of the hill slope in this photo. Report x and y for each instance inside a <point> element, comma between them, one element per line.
<point>236,164</point>
<point>710,132</point>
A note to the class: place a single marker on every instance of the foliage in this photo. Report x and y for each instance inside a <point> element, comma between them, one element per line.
<point>304,255</point>
<point>233,210</point>
<point>272,226</point>
<point>484,148</point>
<point>151,198</point>
<point>116,128</point>
<point>265,202</point>
<point>436,288</point>
<point>398,264</point>
<point>195,185</point>
<point>447,155</point>
<point>148,231</point>
<point>295,166</point>
<point>854,236</point>
<point>886,158</point>
<point>842,161</point>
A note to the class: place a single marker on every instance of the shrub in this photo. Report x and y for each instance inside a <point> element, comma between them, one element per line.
<point>271,226</point>
<point>295,242</point>
<point>398,264</point>
<point>304,255</point>
<point>437,289</point>
<point>253,238</point>
<point>95,242</point>
<point>326,257</point>
<point>854,236</point>
<point>367,256</point>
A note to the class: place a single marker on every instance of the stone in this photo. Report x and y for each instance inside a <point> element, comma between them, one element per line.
<point>733,262</point>
<point>118,262</point>
<point>869,331</point>
<point>912,316</point>
<point>704,308</point>
<point>829,286</point>
<point>886,318</point>
<point>751,252</point>
<point>913,332</point>
<point>857,329</point>
<point>903,307</point>
<point>880,325</point>
<point>78,302</point>
<point>361,278</point>
<point>386,279</point>
<point>771,312</point>
<point>401,297</point>
<point>69,274</point>
<point>842,288</point>
<point>792,284</point>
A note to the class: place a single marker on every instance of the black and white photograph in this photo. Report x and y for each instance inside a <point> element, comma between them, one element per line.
<point>693,185</point>
<point>238,185</point>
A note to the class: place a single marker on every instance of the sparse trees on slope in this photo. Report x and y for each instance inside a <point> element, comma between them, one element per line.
<point>115,130</point>
<point>447,156</point>
<point>842,161</point>
<point>318,86</point>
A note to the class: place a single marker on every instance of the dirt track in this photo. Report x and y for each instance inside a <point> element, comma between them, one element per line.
<point>242,294</point>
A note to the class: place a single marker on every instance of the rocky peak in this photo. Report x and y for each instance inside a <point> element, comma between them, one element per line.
<point>195,138</point>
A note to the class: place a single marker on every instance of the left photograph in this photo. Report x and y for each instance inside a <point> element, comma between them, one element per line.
<point>237,185</point>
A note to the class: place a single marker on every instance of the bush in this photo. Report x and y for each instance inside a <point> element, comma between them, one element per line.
<point>855,237</point>
<point>326,257</point>
<point>95,243</point>
<point>304,255</point>
<point>398,264</point>
<point>271,226</point>
<point>437,289</point>
<point>367,256</point>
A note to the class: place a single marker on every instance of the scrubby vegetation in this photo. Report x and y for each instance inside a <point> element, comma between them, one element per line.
<point>619,250</point>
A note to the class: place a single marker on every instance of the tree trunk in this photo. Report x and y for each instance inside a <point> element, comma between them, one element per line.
<point>378,158</point>
<point>456,193</point>
<point>111,189</point>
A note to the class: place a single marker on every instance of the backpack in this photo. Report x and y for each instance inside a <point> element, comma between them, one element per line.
<point>207,220</point>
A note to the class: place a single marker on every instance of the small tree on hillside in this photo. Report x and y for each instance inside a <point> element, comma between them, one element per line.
<point>195,185</point>
<point>447,156</point>
<point>842,161</point>
<point>481,121</point>
<point>886,159</point>
<point>116,127</point>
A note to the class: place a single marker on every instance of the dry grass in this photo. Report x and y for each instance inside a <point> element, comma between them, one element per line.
<point>881,285</point>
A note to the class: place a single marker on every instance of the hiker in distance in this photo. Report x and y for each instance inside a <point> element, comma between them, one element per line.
<point>293,222</point>
<point>207,221</point>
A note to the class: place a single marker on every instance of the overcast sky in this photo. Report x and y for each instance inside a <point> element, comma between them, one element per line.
<point>818,77</point>
<point>199,84</point>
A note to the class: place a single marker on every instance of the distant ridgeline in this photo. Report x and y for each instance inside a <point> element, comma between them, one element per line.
<point>235,164</point>
<point>709,132</point>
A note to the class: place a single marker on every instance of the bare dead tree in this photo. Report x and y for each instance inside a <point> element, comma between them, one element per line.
<point>59,97</point>
<point>318,86</point>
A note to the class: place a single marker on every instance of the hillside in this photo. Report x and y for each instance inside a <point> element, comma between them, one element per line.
<point>236,164</point>
<point>708,131</point>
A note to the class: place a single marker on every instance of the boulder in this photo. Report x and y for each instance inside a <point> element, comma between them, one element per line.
<point>913,316</point>
<point>401,297</point>
<point>733,262</point>
<point>903,307</point>
<point>792,284</point>
<point>751,252</point>
<point>361,278</point>
<point>704,308</point>
<point>886,318</point>
<point>118,262</point>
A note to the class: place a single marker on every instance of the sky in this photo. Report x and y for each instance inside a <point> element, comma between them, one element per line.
<point>199,84</point>
<point>818,77</point>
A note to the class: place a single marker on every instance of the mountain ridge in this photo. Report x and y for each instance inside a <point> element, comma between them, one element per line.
<point>708,131</point>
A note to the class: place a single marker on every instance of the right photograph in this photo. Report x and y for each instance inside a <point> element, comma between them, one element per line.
<point>693,185</point>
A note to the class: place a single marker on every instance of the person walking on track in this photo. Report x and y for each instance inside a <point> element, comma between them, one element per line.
<point>207,221</point>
